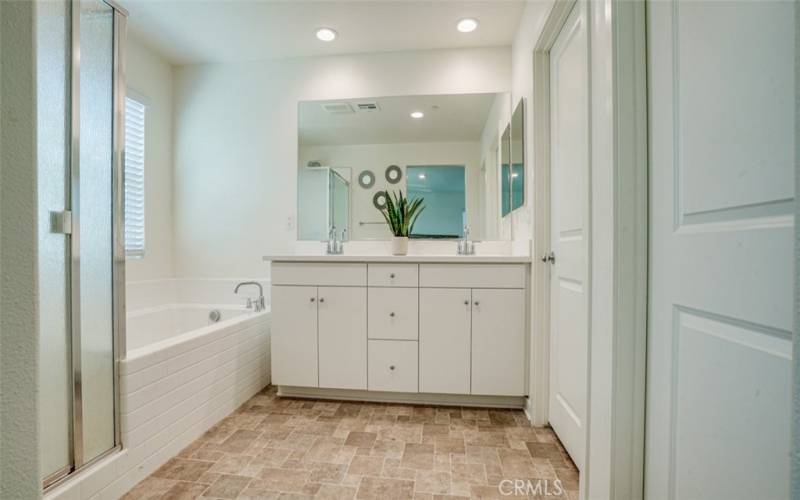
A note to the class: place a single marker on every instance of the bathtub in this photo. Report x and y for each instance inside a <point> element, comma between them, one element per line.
<point>184,368</point>
<point>157,327</point>
<point>181,372</point>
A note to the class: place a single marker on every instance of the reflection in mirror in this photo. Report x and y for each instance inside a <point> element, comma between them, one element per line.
<point>339,202</point>
<point>443,190</point>
<point>518,156</point>
<point>325,202</point>
<point>505,167</point>
<point>366,179</point>
<point>458,136</point>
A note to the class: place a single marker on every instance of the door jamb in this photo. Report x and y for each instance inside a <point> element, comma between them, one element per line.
<point>619,441</point>
<point>540,358</point>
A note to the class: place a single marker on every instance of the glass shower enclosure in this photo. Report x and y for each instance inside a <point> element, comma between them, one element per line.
<point>80,91</point>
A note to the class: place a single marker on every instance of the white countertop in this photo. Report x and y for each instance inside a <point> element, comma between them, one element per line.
<point>454,259</point>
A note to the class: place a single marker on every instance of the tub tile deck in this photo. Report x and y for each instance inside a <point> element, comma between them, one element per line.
<point>275,447</point>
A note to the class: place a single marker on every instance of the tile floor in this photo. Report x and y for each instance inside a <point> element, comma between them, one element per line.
<point>274,447</point>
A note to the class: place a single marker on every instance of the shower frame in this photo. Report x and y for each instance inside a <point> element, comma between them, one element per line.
<point>78,461</point>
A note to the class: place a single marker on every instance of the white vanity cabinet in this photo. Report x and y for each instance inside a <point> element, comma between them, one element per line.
<point>488,353</point>
<point>319,325</point>
<point>342,331</point>
<point>444,340</point>
<point>436,328</point>
<point>498,342</point>
<point>294,336</point>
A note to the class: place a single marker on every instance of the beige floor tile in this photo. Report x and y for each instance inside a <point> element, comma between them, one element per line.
<point>227,486</point>
<point>335,492</point>
<point>277,448</point>
<point>381,488</point>
<point>432,482</point>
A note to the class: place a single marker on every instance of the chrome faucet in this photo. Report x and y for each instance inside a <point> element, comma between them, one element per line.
<point>465,246</point>
<point>335,247</point>
<point>257,304</point>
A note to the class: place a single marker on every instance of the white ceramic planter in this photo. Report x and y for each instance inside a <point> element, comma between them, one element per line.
<point>399,245</point>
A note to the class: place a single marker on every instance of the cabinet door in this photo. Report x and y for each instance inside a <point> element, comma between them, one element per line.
<point>498,342</point>
<point>294,336</point>
<point>342,337</point>
<point>444,340</point>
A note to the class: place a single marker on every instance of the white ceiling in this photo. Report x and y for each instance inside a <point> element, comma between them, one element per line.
<point>202,31</point>
<point>448,118</point>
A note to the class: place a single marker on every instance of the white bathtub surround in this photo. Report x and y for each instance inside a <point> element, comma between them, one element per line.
<point>182,374</point>
<point>440,329</point>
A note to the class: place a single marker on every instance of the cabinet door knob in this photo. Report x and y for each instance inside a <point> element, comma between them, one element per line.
<point>477,303</point>
<point>391,315</point>
<point>313,299</point>
<point>391,367</point>
<point>466,302</point>
<point>321,299</point>
<point>391,275</point>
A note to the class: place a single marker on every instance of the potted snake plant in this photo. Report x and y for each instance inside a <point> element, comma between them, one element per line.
<point>401,214</point>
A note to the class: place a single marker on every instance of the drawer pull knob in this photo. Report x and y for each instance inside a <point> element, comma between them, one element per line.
<point>391,275</point>
<point>477,303</point>
<point>313,299</point>
<point>391,315</point>
<point>466,302</point>
<point>323,300</point>
<point>391,367</point>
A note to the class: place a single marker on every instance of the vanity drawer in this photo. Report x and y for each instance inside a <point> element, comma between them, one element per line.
<point>319,273</point>
<point>392,365</point>
<point>393,275</point>
<point>393,313</point>
<point>472,275</point>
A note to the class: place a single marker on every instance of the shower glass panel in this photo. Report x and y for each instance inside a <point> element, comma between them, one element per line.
<point>94,232</point>
<point>339,202</point>
<point>80,233</point>
<point>55,375</point>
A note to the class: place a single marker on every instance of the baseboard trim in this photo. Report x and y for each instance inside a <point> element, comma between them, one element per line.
<point>515,402</point>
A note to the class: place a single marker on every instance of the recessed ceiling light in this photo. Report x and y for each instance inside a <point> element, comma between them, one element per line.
<point>422,176</point>
<point>417,114</point>
<point>327,34</point>
<point>467,25</point>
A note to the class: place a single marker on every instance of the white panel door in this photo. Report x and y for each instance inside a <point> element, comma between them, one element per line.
<point>294,336</point>
<point>498,342</point>
<point>342,337</point>
<point>721,127</point>
<point>444,340</point>
<point>569,287</point>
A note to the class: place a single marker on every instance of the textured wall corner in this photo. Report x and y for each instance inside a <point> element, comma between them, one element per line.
<point>19,337</point>
<point>796,357</point>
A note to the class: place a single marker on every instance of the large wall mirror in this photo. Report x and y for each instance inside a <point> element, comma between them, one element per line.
<point>450,150</point>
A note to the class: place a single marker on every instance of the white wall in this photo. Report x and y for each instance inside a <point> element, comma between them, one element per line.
<point>530,27</point>
<point>376,157</point>
<point>149,76</point>
<point>19,319</point>
<point>236,142</point>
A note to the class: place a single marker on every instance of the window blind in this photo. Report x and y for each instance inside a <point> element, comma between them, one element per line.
<point>134,177</point>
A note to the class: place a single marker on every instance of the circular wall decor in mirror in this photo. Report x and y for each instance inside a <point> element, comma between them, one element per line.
<point>379,200</point>
<point>394,174</point>
<point>366,179</point>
